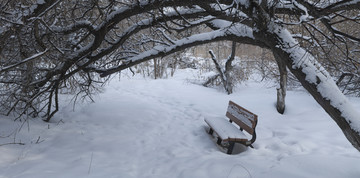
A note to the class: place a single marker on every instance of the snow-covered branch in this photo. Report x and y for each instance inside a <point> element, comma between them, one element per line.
<point>242,33</point>
<point>35,56</point>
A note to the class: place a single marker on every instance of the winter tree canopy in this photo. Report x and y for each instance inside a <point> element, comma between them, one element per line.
<point>50,47</point>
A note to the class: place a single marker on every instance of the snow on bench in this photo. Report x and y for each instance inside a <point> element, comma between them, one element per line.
<point>232,133</point>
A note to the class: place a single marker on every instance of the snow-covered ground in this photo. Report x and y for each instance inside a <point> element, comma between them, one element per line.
<point>143,128</point>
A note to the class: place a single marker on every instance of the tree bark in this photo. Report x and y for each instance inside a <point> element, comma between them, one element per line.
<point>281,91</point>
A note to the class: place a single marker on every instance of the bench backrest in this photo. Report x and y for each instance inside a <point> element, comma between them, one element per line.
<point>242,117</point>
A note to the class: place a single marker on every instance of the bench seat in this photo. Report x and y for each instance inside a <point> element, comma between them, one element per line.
<point>226,130</point>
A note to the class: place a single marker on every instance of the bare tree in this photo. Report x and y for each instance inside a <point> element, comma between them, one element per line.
<point>52,46</point>
<point>224,74</point>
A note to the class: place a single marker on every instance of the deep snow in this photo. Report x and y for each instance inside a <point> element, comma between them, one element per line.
<point>141,128</point>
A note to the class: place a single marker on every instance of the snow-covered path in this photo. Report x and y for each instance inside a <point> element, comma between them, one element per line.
<point>141,128</point>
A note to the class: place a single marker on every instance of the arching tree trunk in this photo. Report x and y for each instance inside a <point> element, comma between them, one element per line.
<point>316,81</point>
<point>335,113</point>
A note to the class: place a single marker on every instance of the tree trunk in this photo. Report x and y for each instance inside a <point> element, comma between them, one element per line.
<point>228,68</point>
<point>155,68</point>
<point>281,91</point>
<point>221,72</point>
<point>225,75</point>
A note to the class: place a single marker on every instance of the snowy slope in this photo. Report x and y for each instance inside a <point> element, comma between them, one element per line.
<point>142,128</point>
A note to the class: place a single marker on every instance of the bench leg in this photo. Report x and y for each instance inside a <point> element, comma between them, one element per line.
<point>230,148</point>
<point>211,131</point>
<point>219,141</point>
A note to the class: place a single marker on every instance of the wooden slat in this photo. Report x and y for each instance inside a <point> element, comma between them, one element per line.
<point>252,117</point>
<point>236,140</point>
<point>240,123</point>
<point>242,117</point>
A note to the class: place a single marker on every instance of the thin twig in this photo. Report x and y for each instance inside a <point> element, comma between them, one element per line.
<point>90,162</point>
<point>12,144</point>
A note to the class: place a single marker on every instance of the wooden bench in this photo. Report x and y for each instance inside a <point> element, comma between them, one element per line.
<point>230,131</point>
